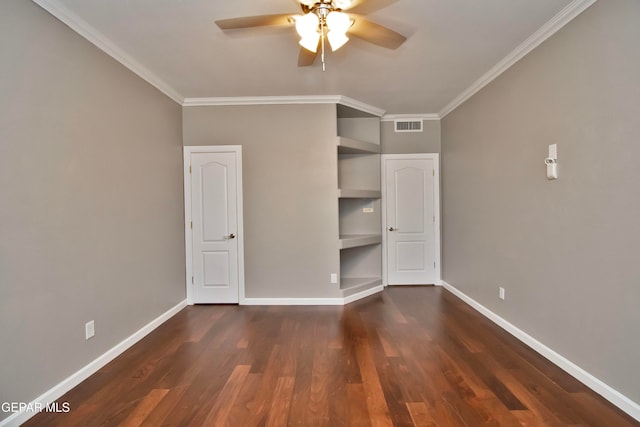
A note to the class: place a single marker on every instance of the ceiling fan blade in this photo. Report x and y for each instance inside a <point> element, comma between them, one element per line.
<point>306,58</point>
<point>254,21</point>
<point>364,7</point>
<point>375,33</point>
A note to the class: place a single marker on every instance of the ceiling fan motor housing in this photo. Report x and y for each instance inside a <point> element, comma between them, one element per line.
<point>323,7</point>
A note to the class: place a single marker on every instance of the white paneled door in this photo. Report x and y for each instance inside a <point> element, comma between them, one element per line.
<point>411,219</point>
<point>215,193</point>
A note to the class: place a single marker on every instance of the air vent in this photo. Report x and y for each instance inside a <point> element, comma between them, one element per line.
<point>408,125</point>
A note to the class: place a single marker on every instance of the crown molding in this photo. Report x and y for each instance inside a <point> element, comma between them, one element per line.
<point>562,18</point>
<point>394,117</point>
<point>81,27</point>
<point>354,103</point>
<point>283,100</point>
<point>260,100</point>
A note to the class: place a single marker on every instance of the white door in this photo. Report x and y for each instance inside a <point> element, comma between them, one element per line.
<point>215,224</point>
<point>411,219</point>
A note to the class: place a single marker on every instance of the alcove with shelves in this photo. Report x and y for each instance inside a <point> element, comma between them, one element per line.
<point>360,241</point>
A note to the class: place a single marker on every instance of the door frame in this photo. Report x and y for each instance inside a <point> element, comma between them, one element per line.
<point>436,207</point>
<point>188,235</point>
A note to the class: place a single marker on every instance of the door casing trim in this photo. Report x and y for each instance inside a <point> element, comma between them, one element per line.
<point>188,236</point>
<point>436,208</point>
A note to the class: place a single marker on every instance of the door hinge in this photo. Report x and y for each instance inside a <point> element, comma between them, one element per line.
<point>433,172</point>
<point>434,264</point>
<point>191,224</point>
<point>189,168</point>
<point>193,281</point>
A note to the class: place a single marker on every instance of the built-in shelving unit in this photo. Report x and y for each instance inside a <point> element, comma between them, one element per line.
<point>360,240</point>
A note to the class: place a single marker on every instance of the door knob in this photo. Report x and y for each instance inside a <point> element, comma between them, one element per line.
<point>392,229</point>
<point>230,236</point>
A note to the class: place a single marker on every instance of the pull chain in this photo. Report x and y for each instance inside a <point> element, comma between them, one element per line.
<point>322,36</point>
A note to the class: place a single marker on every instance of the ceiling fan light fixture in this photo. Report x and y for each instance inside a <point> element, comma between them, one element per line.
<point>322,22</point>
<point>307,25</point>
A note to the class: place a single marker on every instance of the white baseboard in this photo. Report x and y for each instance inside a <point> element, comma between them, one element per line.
<point>61,388</point>
<point>312,301</point>
<point>363,294</point>
<point>621,401</point>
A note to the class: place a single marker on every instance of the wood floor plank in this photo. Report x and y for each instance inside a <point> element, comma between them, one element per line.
<point>410,356</point>
<point>598,412</point>
<point>387,342</point>
<point>337,389</point>
<point>281,402</point>
<point>263,397</point>
<point>160,413</point>
<point>541,412</point>
<point>318,406</point>
<point>358,413</point>
<point>144,408</point>
<point>304,368</point>
<point>376,403</point>
<point>421,415</point>
<point>219,413</point>
<point>243,409</point>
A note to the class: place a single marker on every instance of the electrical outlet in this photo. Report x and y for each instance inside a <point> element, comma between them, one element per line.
<point>334,278</point>
<point>501,293</point>
<point>89,329</point>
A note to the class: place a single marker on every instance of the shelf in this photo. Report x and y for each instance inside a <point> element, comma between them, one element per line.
<point>353,146</point>
<point>356,240</point>
<point>353,285</point>
<point>348,193</point>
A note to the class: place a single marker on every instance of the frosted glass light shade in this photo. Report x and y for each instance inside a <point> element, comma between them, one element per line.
<point>307,25</point>
<point>310,42</point>
<point>338,22</point>
<point>337,40</point>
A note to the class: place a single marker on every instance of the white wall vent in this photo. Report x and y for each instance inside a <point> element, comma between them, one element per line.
<point>408,125</point>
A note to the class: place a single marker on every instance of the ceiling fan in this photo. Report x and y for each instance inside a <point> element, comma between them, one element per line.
<point>324,20</point>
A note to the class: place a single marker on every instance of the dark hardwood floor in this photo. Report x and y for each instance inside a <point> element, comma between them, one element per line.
<point>409,356</point>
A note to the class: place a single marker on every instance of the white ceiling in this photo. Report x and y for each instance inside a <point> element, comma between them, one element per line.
<point>451,45</point>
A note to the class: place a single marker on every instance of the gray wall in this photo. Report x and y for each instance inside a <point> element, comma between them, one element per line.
<point>290,192</point>
<point>567,250</point>
<point>427,141</point>
<point>91,217</point>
